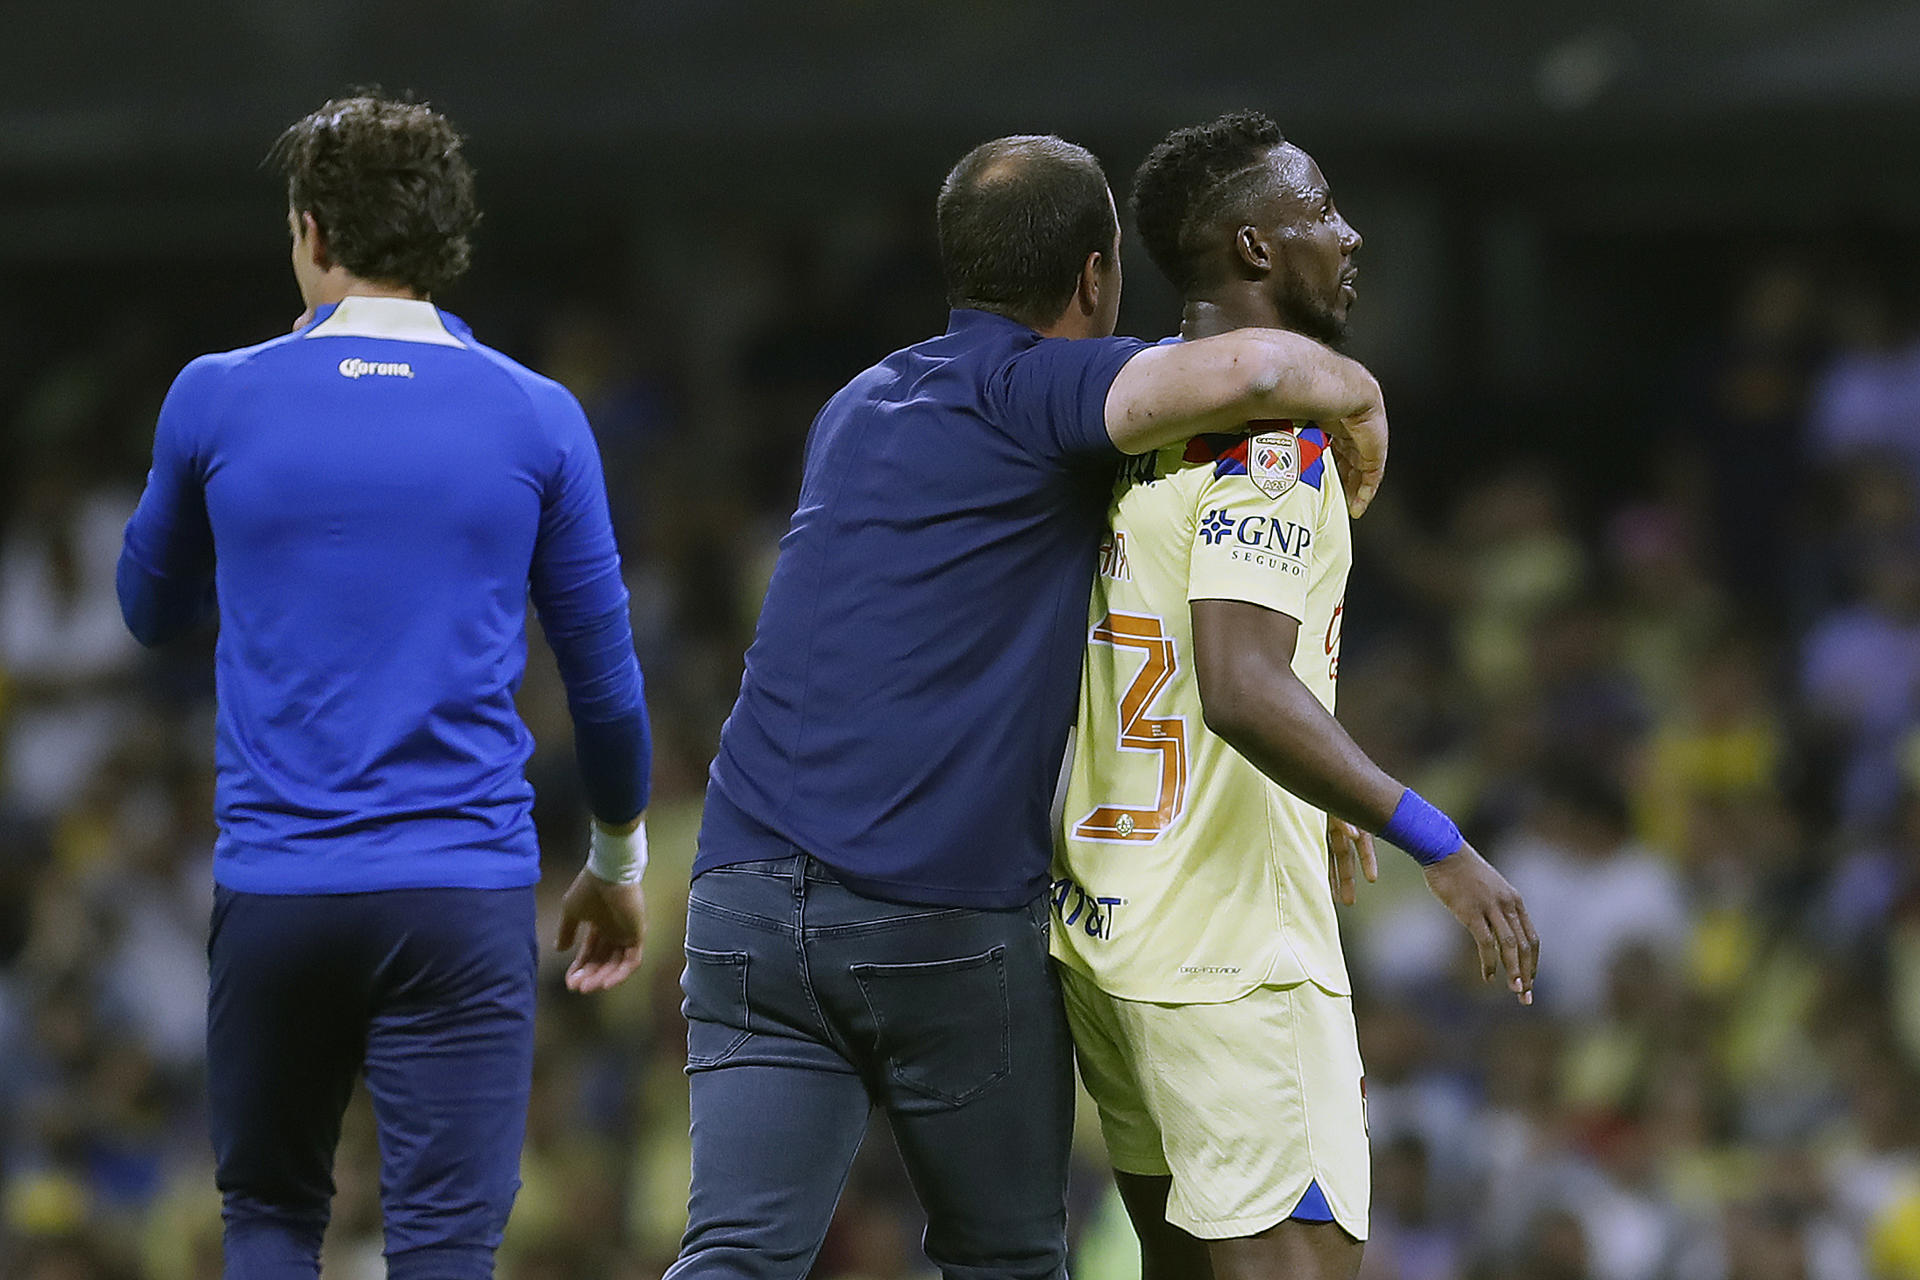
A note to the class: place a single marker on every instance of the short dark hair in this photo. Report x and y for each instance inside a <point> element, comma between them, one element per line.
<point>387,183</point>
<point>1194,176</point>
<point>1018,217</point>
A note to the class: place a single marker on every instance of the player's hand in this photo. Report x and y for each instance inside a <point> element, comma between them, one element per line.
<point>1359,444</point>
<point>1482,900</point>
<point>609,920</point>
<point>1346,846</point>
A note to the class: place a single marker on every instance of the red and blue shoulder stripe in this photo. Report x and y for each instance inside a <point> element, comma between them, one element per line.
<point>1313,455</point>
<point>1228,453</point>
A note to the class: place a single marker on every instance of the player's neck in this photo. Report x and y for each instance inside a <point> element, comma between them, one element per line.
<point>1206,317</point>
<point>339,286</point>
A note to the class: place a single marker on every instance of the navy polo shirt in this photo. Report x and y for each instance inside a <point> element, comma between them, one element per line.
<point>917,664</point>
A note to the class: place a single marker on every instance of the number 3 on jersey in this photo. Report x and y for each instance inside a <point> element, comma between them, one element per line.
<point>1140,732</point>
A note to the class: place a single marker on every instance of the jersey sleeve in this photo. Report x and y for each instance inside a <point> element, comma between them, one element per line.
<point>582,602</point>
<point>576,566</point>
<point>1257,519</point>
<point>1053,395</point>
<point>165,574</point>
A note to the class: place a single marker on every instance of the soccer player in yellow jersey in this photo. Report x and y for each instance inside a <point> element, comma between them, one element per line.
<point>1215,806</point>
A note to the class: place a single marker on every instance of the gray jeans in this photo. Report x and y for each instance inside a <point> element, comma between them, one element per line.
<point>808,1005</point>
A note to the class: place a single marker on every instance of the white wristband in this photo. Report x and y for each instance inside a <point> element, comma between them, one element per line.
<point>615,858</point>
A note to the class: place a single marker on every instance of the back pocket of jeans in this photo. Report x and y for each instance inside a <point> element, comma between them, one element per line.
<point>715,984</point>
<point>942,1024</point>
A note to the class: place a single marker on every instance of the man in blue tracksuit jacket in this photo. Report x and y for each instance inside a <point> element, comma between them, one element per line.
<point>369,500</point>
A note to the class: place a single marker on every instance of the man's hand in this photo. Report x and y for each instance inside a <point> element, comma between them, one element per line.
<point>1360,452</point>
<point>1482,900</point>
<point>610,920</point>
<point>1347,845</point>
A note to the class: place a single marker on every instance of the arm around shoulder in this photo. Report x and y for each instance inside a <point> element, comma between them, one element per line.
<point>1176,390</point>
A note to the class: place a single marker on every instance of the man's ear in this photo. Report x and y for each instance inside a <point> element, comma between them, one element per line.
<point>1087,295</point>
<point>1252,252</point>
<point>316,240</point>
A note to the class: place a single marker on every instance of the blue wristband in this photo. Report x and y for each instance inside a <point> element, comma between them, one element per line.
<point>1422,830</point>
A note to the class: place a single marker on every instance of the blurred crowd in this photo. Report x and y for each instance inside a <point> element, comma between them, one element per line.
<point>1684,717</point>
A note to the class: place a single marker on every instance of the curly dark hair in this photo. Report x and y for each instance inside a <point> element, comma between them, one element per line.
<point>1194,176</point>
<point>387,183</point>
<point>1018,217</point>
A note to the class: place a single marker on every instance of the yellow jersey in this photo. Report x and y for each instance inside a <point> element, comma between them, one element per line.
<point>1181,873</point>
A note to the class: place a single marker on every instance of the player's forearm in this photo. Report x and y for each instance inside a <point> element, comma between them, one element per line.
<point>1282,729</point>
<point>1168,393</point>
<point>616,766</point>
<point>158,608</point>
<point>606,696</point>
<point>164,578</point>
<point>1295,377</point>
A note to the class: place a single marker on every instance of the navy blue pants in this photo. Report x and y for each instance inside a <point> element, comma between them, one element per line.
<point>808,1005</point>
<point>430,993</point>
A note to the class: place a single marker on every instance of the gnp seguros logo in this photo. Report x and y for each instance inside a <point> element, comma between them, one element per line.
<point>1268,541</point>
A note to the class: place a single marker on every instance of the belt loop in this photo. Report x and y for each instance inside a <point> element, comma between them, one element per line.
<point>799,875</point>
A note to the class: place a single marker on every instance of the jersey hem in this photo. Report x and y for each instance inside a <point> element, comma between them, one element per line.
<point>919,895</point>
<point>243,880</point>
<point>903,892</point>
<point>1073,962</point>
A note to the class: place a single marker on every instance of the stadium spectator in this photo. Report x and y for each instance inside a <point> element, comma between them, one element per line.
<point>1592,888</point>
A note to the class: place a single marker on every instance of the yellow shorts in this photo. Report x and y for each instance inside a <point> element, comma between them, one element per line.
<point>1244,1104</point>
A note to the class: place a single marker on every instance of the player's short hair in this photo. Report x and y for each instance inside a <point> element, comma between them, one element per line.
<point>388,184</point>
<point>1194,177</point>
<point>1018,217</point>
